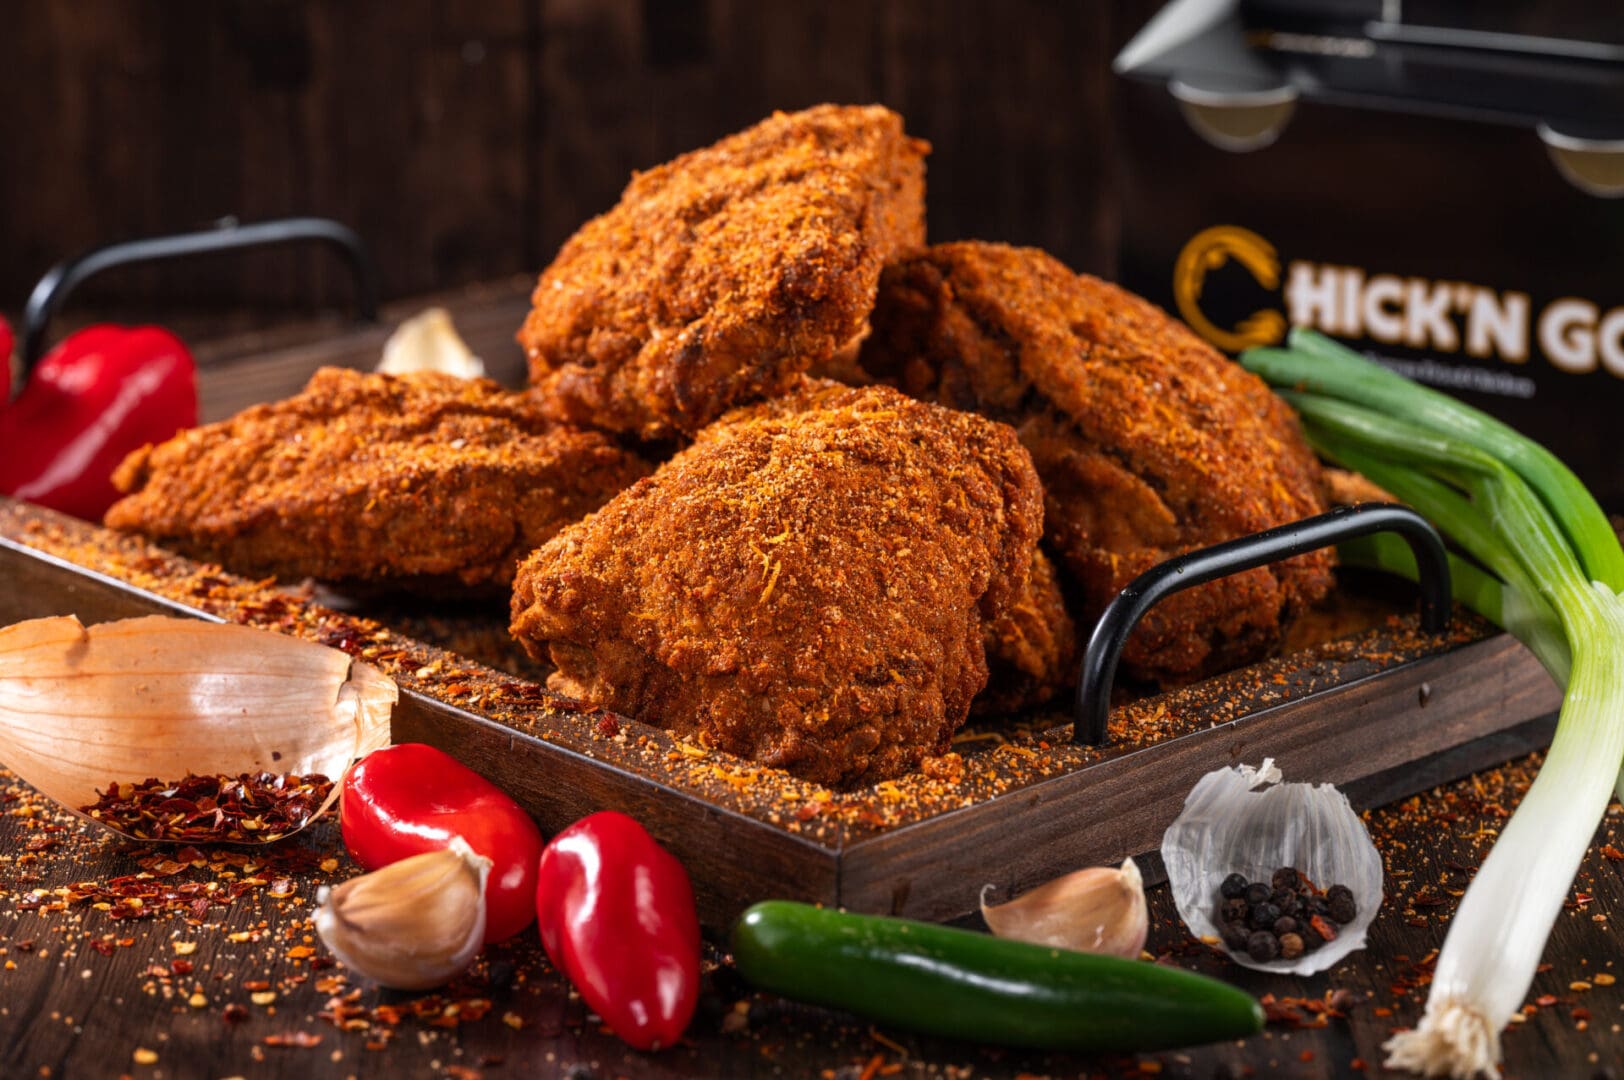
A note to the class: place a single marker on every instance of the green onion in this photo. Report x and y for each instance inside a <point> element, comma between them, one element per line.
<point>1548,567</point>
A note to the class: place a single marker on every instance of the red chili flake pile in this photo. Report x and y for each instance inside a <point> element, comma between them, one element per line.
<point>248,808</point>
<point>1307,1012</point>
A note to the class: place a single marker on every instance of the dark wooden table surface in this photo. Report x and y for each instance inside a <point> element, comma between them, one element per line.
<point>248,990</point>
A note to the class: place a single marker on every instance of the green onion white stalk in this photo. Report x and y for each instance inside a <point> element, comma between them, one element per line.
<point>1548,567</point>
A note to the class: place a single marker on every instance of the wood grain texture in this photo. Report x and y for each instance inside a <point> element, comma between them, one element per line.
<point>467,141</point>
<point>67,1008</point>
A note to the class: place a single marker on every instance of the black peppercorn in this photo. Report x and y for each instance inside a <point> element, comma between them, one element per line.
<point>1235,935</point>
<point>1286,877</point>
<point>1338,890</point>
<point>1258,893</point>
<point>1234,886</point>
<point>1291,946</point>
<point>1287,901</point>
<point>1285,924</point>
<point>1262,946</point>
<point>1342,908</point>
<point>1264,916</point>
<point>1311,938</point>
<point>1234,910</point>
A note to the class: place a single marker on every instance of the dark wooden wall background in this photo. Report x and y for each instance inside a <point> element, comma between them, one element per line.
<point>465,141</point>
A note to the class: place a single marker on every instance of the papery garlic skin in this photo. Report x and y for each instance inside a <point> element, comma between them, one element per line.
<point>162,697</point>
<point>429,342</point>
<point>1097,910</point>
<point>1250,821</point>
<point>411,925</point>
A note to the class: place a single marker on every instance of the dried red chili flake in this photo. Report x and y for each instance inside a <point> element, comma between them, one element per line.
<point>41,843</point>
<point>1324,927</point>
<point>234,1013</point>
<point>301,1039</point>
<point>103,947</point>
<point>247,808</point>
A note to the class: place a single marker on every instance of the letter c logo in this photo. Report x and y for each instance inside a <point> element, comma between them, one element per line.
<point>1207,251</point>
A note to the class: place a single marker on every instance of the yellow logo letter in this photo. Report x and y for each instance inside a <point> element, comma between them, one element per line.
<point>1207,251</point>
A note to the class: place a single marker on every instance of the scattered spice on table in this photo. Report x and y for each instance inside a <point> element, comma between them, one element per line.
<point>248,808</point>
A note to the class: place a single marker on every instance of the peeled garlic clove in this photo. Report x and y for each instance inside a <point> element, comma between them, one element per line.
<point>161,697</point>
<point>413,924</point>
<point>1098,910</point>
<point>429,342</point>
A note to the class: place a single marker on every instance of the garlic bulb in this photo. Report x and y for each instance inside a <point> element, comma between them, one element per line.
<point>429,342</point>
<point>413,924</point>
<point>1247,821</point>
<point>162,697</point>
<point>1097,910</point>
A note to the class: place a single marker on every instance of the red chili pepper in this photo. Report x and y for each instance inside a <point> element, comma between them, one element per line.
<point>407,799</point>
<point>101,393</point>
<point>616,912</point>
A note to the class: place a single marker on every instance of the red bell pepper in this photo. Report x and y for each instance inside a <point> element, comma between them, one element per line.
<point>101,393</point>
<point>407,799</point>
<point>7,343</point>
<point>616,913</point>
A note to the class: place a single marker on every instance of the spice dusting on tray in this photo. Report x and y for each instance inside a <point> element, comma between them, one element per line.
<point>247,808</point>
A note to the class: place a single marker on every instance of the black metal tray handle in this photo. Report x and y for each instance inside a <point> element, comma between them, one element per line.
<point>1104,649</point>
<point>228,235</point>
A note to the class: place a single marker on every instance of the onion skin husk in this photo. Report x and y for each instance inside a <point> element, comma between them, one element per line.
<point>162,697</point>
<point>1096,910</point>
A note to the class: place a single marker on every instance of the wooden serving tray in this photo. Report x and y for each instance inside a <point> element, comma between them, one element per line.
<point>1382,712</point>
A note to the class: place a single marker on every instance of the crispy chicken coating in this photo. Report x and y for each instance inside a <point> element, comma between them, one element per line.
<point>1149,442</point>
<point>415,480</point>
<point>724,274</point>
<point>808,585</point>
<point>1031,648</point>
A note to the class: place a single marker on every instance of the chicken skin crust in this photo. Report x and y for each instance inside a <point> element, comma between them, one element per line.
<point>807,585</point>
<point>723,275</point>
<point>1031,648</point>
<point>419,480</point>
<point>1149,442</point>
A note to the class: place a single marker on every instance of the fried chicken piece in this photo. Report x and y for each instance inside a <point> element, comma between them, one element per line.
<point>724,274</point>
<point>418,480</point>
<point>807,585</point>
<point>1149,442</point>
<point>1031,648</point>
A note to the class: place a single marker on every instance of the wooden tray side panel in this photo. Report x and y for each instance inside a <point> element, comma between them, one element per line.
<point>1361,713</point>
<point>731,860</point>
<point>1098,816</point>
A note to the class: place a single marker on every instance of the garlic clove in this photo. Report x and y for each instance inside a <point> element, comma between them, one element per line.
<point>413,924</point>
<point>429,342</point>
<point>162,697</point>
<point>1097,910</point>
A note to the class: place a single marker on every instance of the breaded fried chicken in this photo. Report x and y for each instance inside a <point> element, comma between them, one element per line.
<point>373,478</point>
<point>1149,442</point>
<point>724,274</point>
<point>1031,648</point>
<point>808,585</point>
